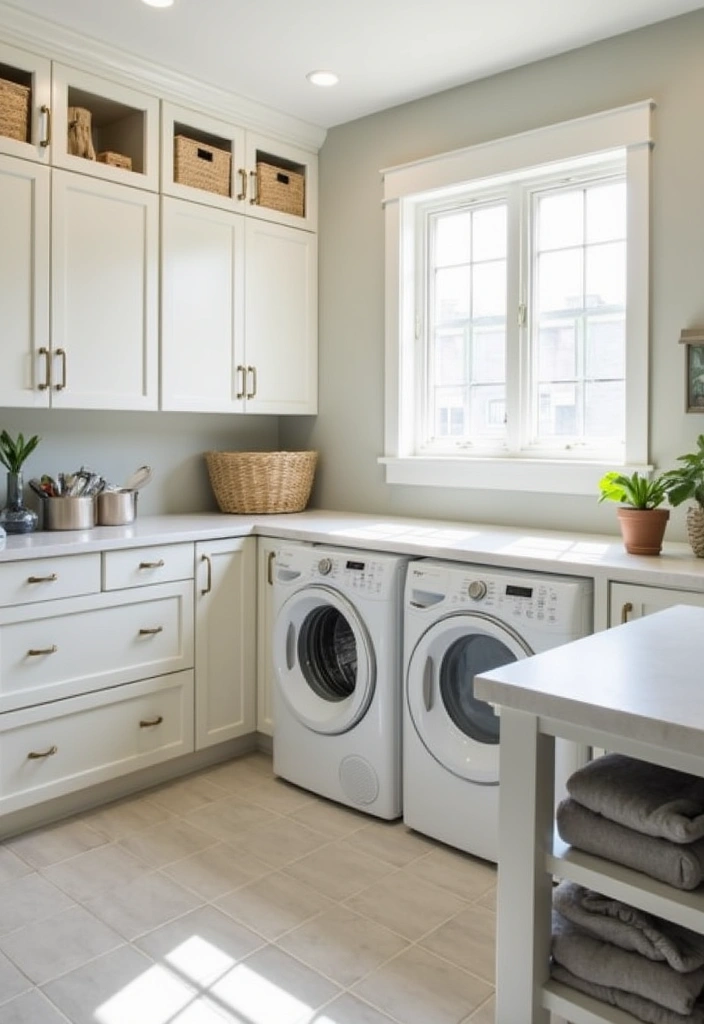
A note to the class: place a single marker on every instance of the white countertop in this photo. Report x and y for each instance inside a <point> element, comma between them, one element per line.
<point>592,555</point>
<point>642,680</point>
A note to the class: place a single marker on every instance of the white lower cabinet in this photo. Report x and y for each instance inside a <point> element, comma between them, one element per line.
<point>225,640</point>
<point>633,600</point>
<point>266,553</point>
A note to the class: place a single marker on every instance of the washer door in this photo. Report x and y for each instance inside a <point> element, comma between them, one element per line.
<point>460,731</point>
<point>323,660</point>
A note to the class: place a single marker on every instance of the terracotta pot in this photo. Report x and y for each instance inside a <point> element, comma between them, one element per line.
<point>643,529</point>
<point>695,529</point>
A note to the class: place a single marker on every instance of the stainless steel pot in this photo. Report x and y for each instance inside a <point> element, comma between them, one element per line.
<point>117,508</point>
<point>69,513</point>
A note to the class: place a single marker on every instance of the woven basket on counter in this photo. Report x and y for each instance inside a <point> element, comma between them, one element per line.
<point>14,110</point>
<point>280,189</point>
<point>255,482</point>
<point>201,166</point>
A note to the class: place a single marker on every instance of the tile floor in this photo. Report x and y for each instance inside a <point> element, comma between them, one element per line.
<point>233,896</point>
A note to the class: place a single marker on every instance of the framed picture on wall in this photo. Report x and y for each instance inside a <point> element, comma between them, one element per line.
<point>693,340</point>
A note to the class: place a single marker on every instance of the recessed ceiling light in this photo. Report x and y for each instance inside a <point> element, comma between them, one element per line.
<point>158,3</point>
<point>324,78</point>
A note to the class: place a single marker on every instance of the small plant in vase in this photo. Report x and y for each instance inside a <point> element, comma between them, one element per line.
<point>641,519</point>
<point>686,483</point>
<point>16,517</point>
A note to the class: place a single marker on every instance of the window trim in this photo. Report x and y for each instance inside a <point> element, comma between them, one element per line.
<point>585,139</point>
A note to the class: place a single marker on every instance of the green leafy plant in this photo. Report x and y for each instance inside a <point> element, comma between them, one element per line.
<point>13,454</point>
<point>638,491</point>
<point>687,481</point>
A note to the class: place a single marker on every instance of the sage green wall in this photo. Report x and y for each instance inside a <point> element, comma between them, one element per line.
<point>664,62</point>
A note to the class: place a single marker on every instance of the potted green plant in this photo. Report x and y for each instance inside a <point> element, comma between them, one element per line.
<point>16,517</point>
<point>684,483</point>
<point>640,517</point>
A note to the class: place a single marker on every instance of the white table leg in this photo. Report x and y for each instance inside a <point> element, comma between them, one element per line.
<point>526,795</point>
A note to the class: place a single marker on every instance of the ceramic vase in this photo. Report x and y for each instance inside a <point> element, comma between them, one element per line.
<point>16,517</point>
<point>695,529</point>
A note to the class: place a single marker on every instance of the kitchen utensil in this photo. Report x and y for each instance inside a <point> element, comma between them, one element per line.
<point>140,478</point>
<point>117,508</point>
<point>69,513</point>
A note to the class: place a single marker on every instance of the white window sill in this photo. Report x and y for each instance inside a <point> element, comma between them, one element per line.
<point>544,476</point>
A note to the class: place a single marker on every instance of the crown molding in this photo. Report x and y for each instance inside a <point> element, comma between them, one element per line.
<point>27,31</point>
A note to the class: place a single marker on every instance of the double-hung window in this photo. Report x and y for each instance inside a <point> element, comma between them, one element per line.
<point>517,309</point>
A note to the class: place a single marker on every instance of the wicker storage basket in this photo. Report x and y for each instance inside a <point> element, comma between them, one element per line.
<point>115,160</point>
<point>261,481</point>
<point>280,189</point>
<point>201,166</point>
<point>14,110</point>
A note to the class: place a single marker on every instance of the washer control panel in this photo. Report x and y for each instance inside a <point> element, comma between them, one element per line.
<point>368,574</point>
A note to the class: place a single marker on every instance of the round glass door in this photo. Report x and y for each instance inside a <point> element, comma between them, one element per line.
<point>458,729</point>
<point>323,660</point>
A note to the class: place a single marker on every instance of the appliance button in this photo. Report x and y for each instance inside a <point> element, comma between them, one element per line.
<point>325,566</point>
<point>477,590</point>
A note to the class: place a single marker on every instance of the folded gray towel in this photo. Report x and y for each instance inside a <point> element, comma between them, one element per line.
<point>629,928</point>
<point>646,797</point>
<point>678,864</point>
<point>641,1008</point>
<point>606,964</point>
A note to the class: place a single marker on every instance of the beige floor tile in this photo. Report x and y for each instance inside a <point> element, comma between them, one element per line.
<point>468,940</point>
<point>12,982</point>
<point>488,900</point>
<point>189,794</point>
<point>217,870</point>
<point>48,948</point>
<point>28,899</point>
<point>122,987</point>
<point>390,841</point>
<point>462,874</point>
<point>278,795</point>
<point>90,873</point>
<point>338,871</point>
<point>271,987</point>
<point>406,904</point>
<point>171,840</point>
<point>281,841</point>
<point>125,817</point>
<point>332,820</point>
<point>347,1009</point>
<point>143,904</point>
<point>11,866</point>
<point>342,945</point>
<point>56,843</point>
<point>275,904</point>
<point>229,819</point>
<point>200,947</point>
<point>31,1008</point>
<point>484,1015</point>
<point>417,987</point>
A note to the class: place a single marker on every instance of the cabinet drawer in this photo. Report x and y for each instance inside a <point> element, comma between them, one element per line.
<point>140,567</point>
<point>59,649</point>
<point>44,579</point>
<point>58,748</point>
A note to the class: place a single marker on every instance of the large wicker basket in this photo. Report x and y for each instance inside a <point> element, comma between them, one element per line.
<point>14,110</point>
<point>280,189</point>
<point>201,166</point>
<point>254,482</point>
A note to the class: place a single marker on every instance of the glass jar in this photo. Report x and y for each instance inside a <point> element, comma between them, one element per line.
<point>16,517</point>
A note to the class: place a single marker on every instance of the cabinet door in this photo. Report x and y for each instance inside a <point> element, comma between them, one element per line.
<point>266,552</point>
<point>33,73</point>
<point>105,252</point>
<point>202,308</point>
<point>633,600</point>
<point>281,319</point>
<point>262,200</point>
<point>225,640</point>
<point>24,282</point>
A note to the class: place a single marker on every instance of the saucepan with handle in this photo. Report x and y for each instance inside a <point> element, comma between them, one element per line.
<point>117,506</point>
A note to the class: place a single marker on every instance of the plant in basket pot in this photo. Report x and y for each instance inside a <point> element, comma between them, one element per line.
<point>686,483</point>
<point>640,517</point>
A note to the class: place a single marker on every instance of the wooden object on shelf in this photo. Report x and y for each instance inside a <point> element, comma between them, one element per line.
<point>115,160</point>
<point>14,110</point>
<point>280,189</point>
<point>80,137</point>
<point>201,166</point>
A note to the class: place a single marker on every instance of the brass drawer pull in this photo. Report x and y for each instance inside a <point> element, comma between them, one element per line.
<point>61,352</point>
<point>209,582</point>
<point>145,723</point>
<point>152,565</point>
<point>44,351</point>
<point>152,631</point>
<point>241,376</point>
<point>35,755</point>
<point>243,179</point>
<point>47,135</point>
<point>52,578</point>
<point>36,652</point>
<point>254,199</point>
<point>625,611</point>
<point>253,371</point>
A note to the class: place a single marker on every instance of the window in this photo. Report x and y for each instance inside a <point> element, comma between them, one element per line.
<point>517,309</point>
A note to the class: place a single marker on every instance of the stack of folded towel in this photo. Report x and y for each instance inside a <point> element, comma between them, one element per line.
<point>652,819</point>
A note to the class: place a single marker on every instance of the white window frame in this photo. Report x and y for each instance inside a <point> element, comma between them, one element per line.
<point>587,140</point>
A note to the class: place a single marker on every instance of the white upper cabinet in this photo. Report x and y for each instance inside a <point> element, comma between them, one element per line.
<point>105,272</point>
<point>117,135</point>
<point>283,183</point>
<point>25,98</point>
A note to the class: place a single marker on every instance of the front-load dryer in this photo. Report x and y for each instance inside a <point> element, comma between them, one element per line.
<point>338,682</point>
<point>461,620</point>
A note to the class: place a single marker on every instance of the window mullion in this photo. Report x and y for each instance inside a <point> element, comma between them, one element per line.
<point>515,331</point>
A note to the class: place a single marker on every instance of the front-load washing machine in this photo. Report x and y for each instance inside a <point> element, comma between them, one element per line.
<point>338,684</point>
<point>461,620</point>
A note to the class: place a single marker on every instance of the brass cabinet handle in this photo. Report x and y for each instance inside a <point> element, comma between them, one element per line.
<point>151,631</point>
<point>44,351</point>
<point>243,178</point>
<point>47,136</point>
<point>209,584</point>
<point>37,652</point>
<point>255,193</point>
<point>270,568</point>
<point>35,755</point>
<point>61,352</point>
<point>51,578</point>
<point>145,723</point>
<point>152,565</point>
<point>253,371</point>
<point>241,372</point>
<point>625,610</point>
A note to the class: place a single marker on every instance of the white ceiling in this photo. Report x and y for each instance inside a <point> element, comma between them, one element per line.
<point>385,51</point>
